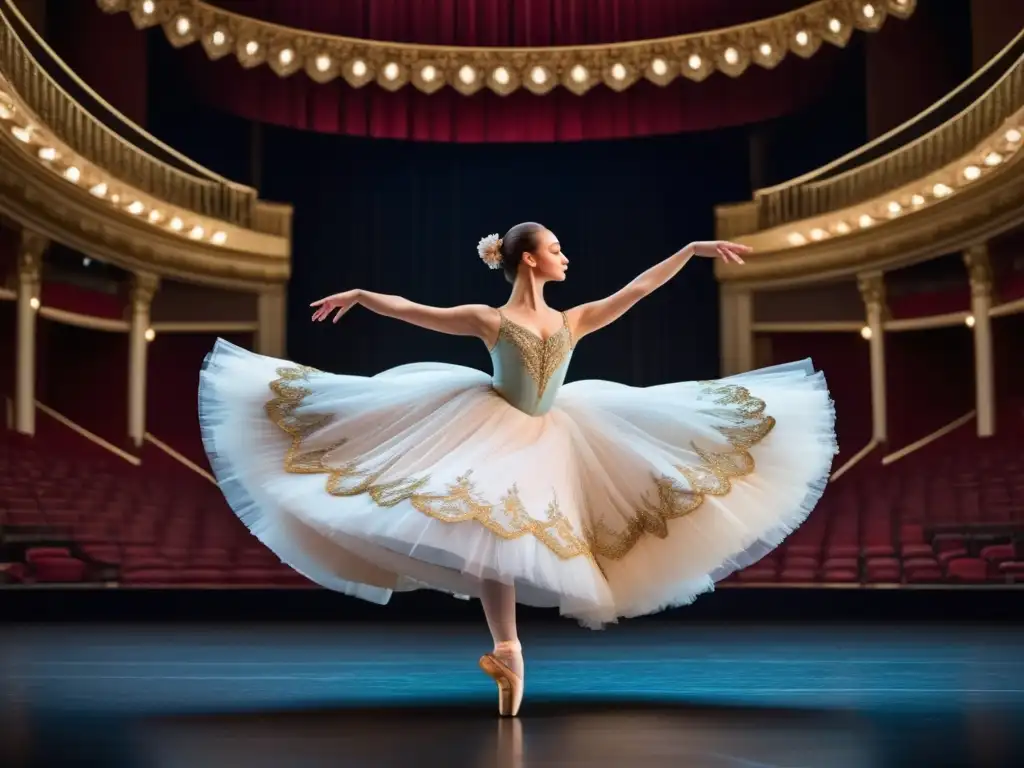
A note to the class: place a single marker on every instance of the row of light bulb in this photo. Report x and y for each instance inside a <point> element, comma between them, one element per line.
<point>866,333</point>
<point>539,75</point>
<point>938,191</point>
<point>101,190</point>
<point>35,303</point>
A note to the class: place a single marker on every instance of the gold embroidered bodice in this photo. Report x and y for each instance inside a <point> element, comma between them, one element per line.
<point>529,370</point>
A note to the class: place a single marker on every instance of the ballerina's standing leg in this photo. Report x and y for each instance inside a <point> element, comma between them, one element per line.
<point>505,663</point>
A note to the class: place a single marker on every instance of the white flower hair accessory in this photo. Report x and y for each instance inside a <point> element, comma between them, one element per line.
<point>489,249</point>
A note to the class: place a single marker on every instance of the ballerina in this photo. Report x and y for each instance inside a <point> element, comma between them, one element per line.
<point>603,500</point>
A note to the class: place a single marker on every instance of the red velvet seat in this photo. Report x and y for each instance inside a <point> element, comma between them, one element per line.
<point>967,570</point>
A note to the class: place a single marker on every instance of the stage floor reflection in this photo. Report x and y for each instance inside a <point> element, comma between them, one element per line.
<point>642,694</point>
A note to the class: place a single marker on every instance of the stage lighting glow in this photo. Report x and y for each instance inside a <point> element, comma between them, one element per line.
<point>917,200</point>
<point>993,159</point>
<point>802,38</point>
<point>579,74</point>
<point>177,224</point>
<point>501,76</point>
<point>391,71</point>
<point>252,48</point>
<point>732,56</point>
<point>835,26</point>
<point>219,38</point>
<point>149,7</point>
<point>865,220</point>
<point>765,49</point>
<point>1012,136</point>
<point>865,333</point>
<point>219,238</point>
<point>72,174</point>
<point>467,74</point>
<point>894,208</point>
<point>972,172</point>
<point>48,154</point>
<point>182,25</point>
<point>429,73</point>
<point>99,190</point>
<point>660,67</point>
<point>941,190</point>
<point>323,62</point>
<point>34,302</point>
<point>619,72</point>
<point>969,321</point>
<point>136,208</point>
<point>695,61</point>
<point>197,233</point>
<point>286,56</point>
<point>359,68</point>
<point>818,233</point>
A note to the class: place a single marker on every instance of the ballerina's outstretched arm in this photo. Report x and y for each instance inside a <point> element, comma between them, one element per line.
<point>465,320</point>
<point>587,318</point>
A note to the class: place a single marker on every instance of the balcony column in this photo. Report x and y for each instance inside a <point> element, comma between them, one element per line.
<point>979,271</point>
<point>144,287</point>
<point>30,265</point>
<point>872,291</point>
<point>270,317</point>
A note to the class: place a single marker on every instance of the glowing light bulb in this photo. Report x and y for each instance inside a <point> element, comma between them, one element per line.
<point>765,49</point>
<point>795,238</point>
<point>917,200</point>
<point>835,25</point>
<point>176,224</point>
<point>252,48</point>
<point>391,71</point>
<point>286,56</point>
<point>818,233</point>
<point>34,302</point>
<point>99,190</point>
<point>155,216</point>
<point>219,238</point>
<point>150,334</point>
<point>49,154</point>
<point>732,56</point>
<point>972,172</point>
<point>539,75</point>
<point>941,190</point>
<point>501,76</point>
<point>894,208</point>
<point>969,321</point>
<point>467,74</point>
<point>149,8</point>
<point>182,25</point>
<point>219,38</point>
<point>842,228</point>
<point>802,38</point>
<point>72,174</point>
<point>579,74</point>
<point>660,67</point>
<point>429,73</point>
<point>1012,136</point>
<point>23,135</point>
<point>619,72</point>
<point>197,233</point>
<point>868,10</point>
<point>136,208</point>
<point>865,333</point>
<point>993,159</point>
<point>359,68</point>
<point>323,62</point>
<point>865,220</point>
<point>695,61</point>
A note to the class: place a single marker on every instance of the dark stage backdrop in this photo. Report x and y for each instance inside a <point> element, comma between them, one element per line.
<point>405,218</point>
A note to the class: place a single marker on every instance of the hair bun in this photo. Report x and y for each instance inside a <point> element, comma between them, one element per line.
<point>489,249</point>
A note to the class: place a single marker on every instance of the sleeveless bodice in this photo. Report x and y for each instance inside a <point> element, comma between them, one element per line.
<point>529,370</point>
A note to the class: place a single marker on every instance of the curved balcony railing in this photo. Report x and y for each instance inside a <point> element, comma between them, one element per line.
<point>947,130</point>
<point>107,138</point>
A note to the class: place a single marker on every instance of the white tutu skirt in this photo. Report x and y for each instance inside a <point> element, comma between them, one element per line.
<point>620,501</point>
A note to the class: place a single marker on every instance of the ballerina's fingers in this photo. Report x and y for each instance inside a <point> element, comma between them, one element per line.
<point>728,254</point>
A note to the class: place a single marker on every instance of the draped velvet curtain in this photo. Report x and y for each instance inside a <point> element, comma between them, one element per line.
<point>508,22</point>
<point>644,109</point>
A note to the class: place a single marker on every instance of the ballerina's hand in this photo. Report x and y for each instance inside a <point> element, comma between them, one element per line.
<point>721,249</point>
<point>342,302</point>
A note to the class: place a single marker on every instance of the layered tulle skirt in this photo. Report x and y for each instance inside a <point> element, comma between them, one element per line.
<point>620,501</point>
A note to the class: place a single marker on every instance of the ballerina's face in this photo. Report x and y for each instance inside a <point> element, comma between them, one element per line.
<point>547,258</point>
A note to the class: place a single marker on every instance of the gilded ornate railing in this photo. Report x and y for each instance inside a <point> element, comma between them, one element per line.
<point>183,183</point>
<point>918,147</point>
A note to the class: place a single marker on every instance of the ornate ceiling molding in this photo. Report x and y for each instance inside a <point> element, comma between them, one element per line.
<point>992,205</point>
<point>73,179</point>
<point>37,200</point>
<point>959,183</point>
<point>503,70</point>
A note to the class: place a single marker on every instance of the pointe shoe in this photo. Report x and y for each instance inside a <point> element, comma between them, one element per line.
<point>510,685</point>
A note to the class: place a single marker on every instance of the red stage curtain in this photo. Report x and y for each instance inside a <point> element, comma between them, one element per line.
<point>509,22</point>
<point>644,109</point>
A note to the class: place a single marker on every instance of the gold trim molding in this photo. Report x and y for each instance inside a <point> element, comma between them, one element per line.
<point>921,171</point>
<point>85,186</point>
<point>429,68</point>
<point>956,185</point>
<point>980,213</point>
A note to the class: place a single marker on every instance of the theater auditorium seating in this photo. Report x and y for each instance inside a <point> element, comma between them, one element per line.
<point>90,517</point>
<point>951,514</point>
